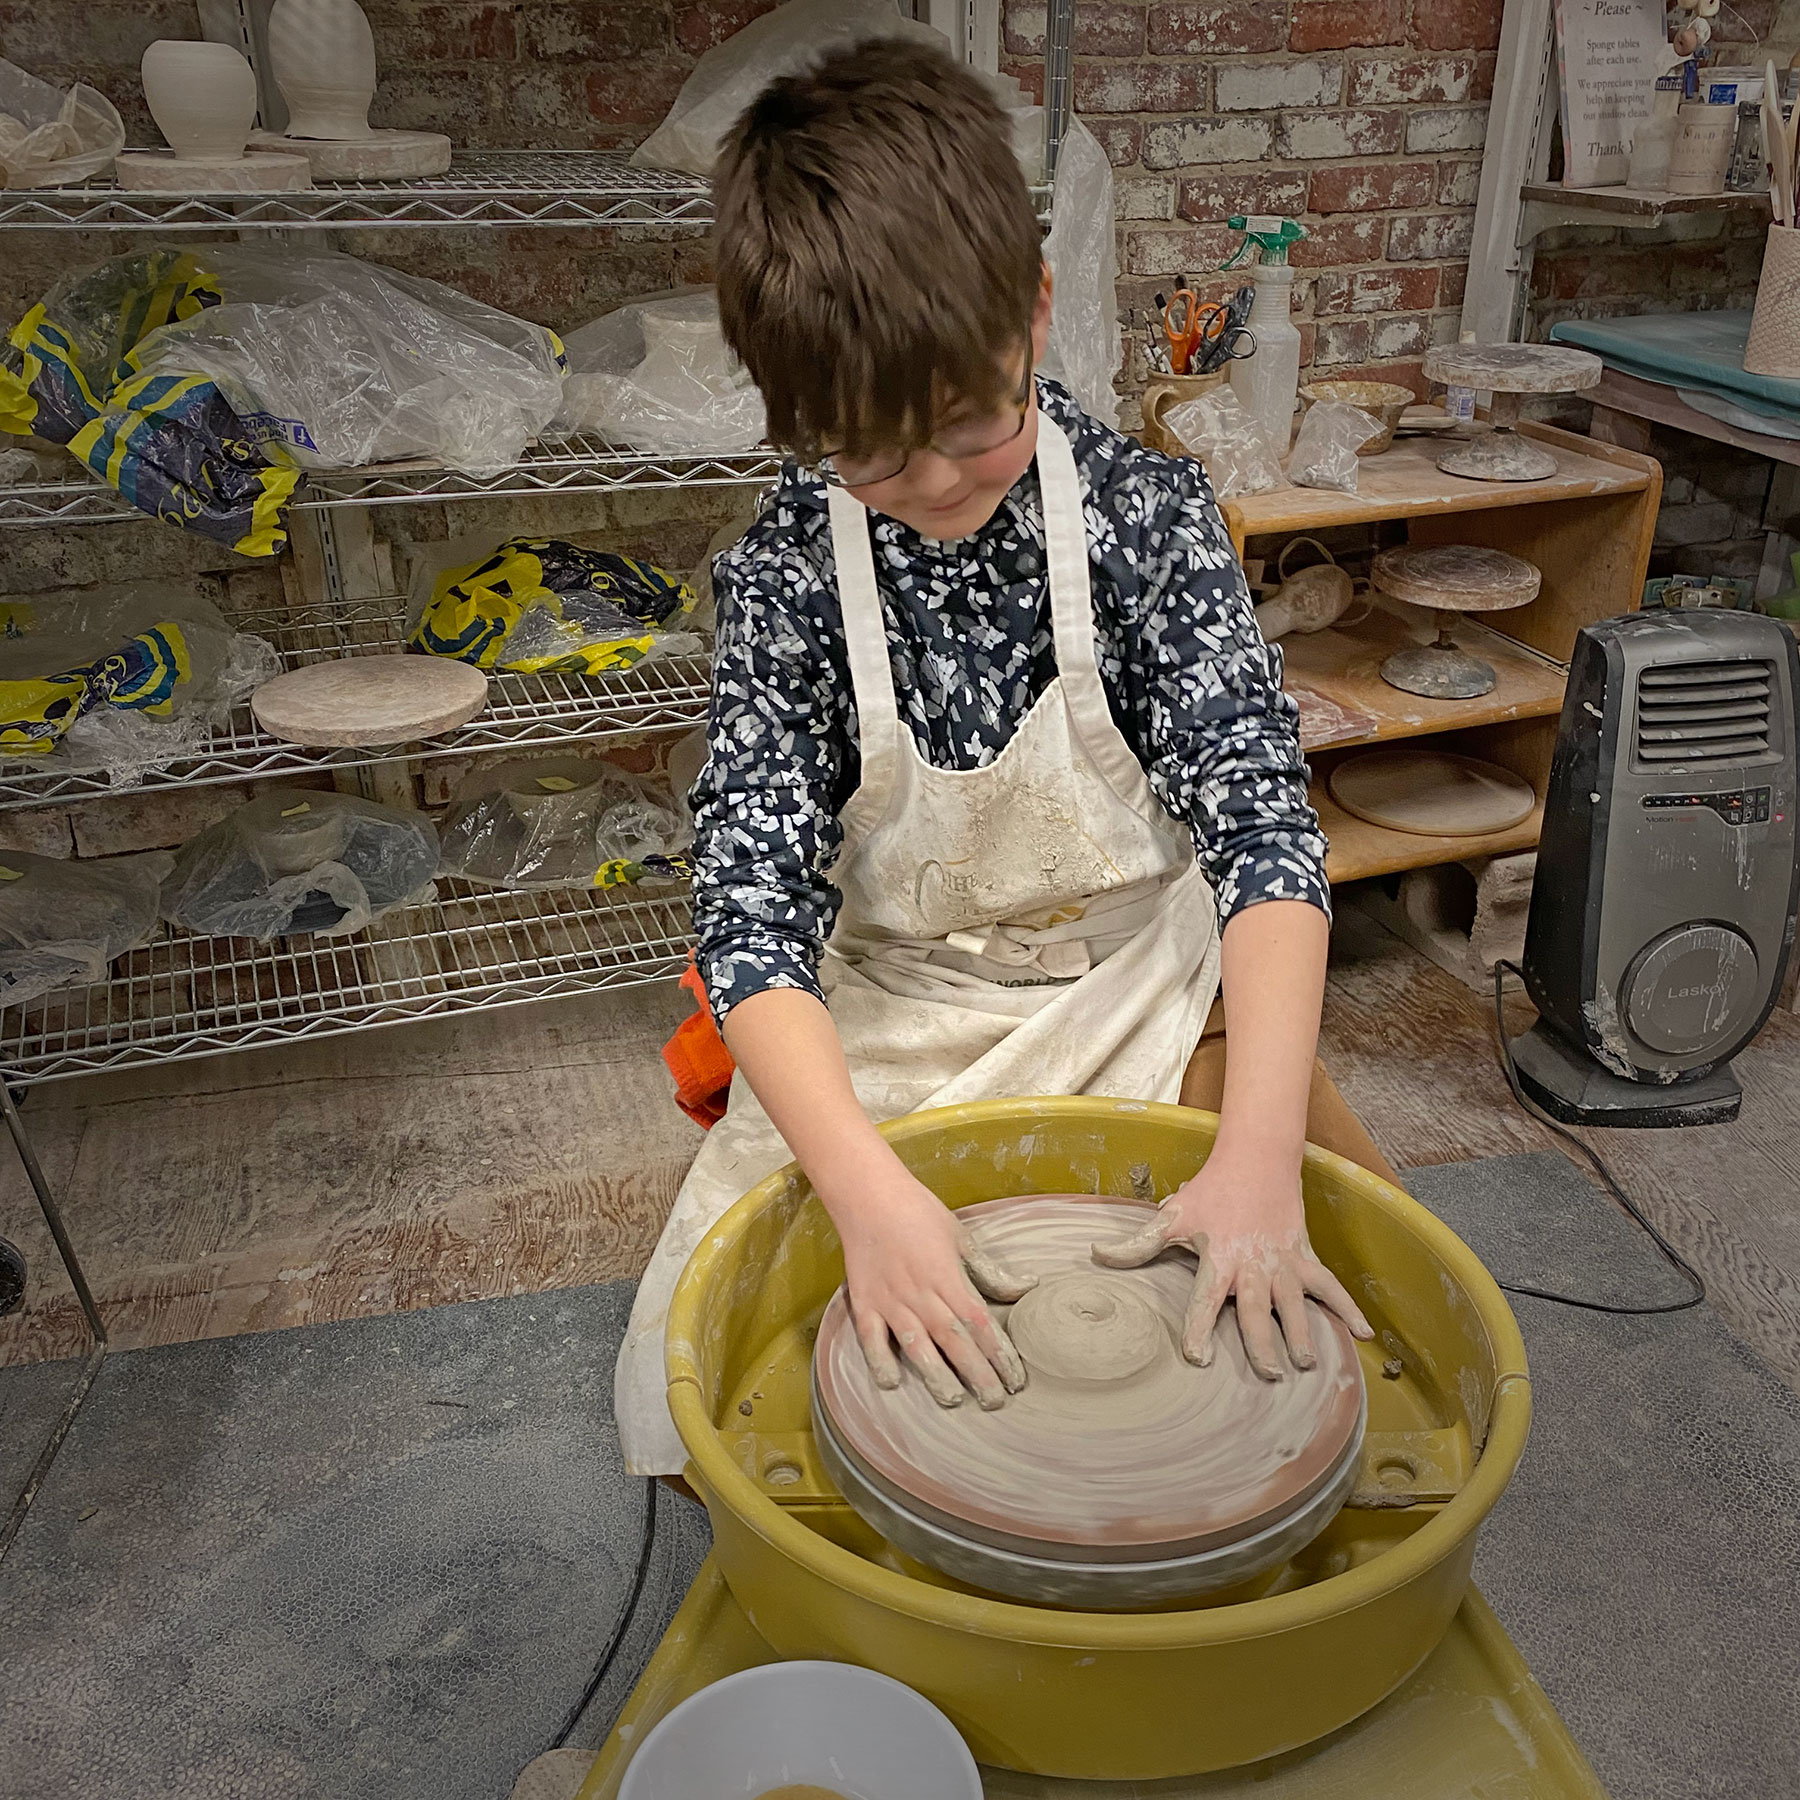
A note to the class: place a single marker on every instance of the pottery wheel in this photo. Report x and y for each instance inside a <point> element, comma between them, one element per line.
<point>1118,1450</point>
<point>1456,577</point>
<point>1432,793</point>
<point>364,700</point>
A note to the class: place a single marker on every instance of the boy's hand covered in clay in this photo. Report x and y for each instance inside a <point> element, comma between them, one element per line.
<point>1249,1231</point>
<point>905,1258</point>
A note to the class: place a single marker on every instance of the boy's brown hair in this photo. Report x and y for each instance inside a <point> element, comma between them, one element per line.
<point>878,253</point>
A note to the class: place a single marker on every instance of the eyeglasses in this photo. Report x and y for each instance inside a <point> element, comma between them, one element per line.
<point>958,443</point>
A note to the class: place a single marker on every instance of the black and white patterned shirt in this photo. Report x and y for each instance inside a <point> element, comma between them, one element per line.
<point>1193,687</point>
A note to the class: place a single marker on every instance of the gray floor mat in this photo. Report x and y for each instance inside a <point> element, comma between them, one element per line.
<point>1646,1559</point>
<point>371,1559</point>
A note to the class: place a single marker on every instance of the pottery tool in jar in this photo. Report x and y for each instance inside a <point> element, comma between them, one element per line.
<point>1121,1475</point>
<point>1450,579</point>
<point>1506,371</point>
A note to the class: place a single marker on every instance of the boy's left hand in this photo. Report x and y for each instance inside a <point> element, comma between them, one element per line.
<point>1243,1218</point>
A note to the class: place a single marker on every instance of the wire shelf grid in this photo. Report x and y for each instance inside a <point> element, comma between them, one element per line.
<point>580,464</point>
<point>184,996</point>
<point>524,712</point>
<point>481,187</point>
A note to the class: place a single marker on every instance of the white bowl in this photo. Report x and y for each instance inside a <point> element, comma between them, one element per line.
<point>836,1726</point>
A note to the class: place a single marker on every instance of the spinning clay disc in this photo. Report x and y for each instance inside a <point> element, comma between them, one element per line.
<point>362,700</point>
<point>1432,793</point>
<point>1117,1450</point>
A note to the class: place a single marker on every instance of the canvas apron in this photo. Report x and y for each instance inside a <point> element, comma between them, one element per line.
<point>1037,926</point>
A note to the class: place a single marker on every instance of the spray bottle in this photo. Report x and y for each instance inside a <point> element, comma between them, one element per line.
<point>1267,385</point>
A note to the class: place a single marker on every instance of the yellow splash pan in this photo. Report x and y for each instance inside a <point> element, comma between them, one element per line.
<point>1381,1599</point>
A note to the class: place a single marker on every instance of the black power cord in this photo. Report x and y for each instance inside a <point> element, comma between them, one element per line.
<point>1670,1253</point>
<point>603,1667</point>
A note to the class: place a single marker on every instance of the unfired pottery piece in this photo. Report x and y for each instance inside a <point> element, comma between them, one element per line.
<point>323,54</point>
<point>1117,1451</point>
<point>1431,793</point>
<point>365,700</point>
<point>202,97</point>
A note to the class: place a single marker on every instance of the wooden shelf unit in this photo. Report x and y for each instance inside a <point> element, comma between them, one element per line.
<point>1588,528</point>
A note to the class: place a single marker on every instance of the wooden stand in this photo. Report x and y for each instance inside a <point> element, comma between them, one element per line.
<point>1587,527</point>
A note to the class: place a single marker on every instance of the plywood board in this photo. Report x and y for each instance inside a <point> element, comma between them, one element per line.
<point>1405,482</point>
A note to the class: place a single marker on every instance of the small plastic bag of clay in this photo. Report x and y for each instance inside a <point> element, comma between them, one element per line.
<point>1226,437</point>
<point>657,375</point>
<point>293,861</point>
<point>556,822</point>
<point>730,75</point>
<point>52,137</point>
<point>62,923</point>
<point>543,605</point>
<point>1325,449</point>
<point>121,679</point>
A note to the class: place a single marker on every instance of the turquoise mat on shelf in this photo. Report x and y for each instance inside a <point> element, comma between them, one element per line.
<point>1700,350</point>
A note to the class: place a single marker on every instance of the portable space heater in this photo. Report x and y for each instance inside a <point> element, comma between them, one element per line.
<point>1663,909</point>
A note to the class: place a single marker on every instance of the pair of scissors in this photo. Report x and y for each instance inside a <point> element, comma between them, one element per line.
<point>1202,335</point>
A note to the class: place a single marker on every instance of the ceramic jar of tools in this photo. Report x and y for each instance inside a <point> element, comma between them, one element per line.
<point>1165,391</point>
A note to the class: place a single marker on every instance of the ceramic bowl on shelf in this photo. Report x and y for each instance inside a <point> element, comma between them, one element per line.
<point>1383,400</point>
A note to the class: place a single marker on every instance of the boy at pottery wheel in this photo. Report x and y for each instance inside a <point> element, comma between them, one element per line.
<point>1002,786</point>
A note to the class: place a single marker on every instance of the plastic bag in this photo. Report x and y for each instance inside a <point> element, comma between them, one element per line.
<point>1082,251</point>
<point>730,75</point>
<point>540,605</point>
<point>51,138</point>
<point>333,363</point>
<point>199,384</point>
<point>557,822</point>
<point>122,679</point>
<point>61,923</point>
<point>1324,453</point>
<point>294,861</point>
<point>658,375</point>
<point>173,448</point>
<point>1238,455</point>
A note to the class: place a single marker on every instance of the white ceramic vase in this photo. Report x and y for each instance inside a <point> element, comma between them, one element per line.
<point>202,97</point>
<point>323,54</point>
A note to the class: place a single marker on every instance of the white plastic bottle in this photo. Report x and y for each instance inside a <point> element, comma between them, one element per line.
<point>1267,385</point>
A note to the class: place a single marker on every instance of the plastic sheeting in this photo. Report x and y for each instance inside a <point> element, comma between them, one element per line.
<point>558,821</point>
<point>49,136</point>
<point>1082,251</point>
<point>122,679</point>
<point>538,605</point>
<point>198,384</point>
<point>293,861</point>
<point>62,923</point>
<point>730,75</point>
<point>332,362</point>
<point>659,376</point>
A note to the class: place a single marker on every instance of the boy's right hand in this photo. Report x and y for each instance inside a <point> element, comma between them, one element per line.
<point>913,1275</point>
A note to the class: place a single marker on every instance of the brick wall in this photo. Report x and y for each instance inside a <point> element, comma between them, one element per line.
<point>1362,118</point>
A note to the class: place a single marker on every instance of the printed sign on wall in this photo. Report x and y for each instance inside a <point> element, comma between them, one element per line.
<point>1609,54</point>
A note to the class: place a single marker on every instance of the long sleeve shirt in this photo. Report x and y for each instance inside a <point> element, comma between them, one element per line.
<point>1192,686</point>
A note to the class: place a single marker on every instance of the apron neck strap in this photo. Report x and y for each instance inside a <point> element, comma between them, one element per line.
<point>865,644</point>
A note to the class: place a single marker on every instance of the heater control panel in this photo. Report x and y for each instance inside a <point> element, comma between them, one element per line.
<point>1742,806</point>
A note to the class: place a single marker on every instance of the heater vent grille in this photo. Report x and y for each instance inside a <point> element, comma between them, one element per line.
<point>1702,715</point>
